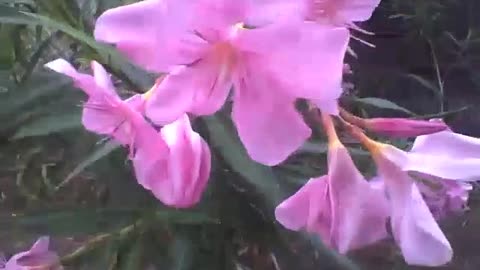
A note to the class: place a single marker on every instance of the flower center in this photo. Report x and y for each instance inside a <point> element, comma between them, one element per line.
<point>224,52</point>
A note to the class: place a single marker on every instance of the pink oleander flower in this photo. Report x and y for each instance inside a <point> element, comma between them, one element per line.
<point>174,164</point>
<point>38,257</point>
<point>270,66</point>
<point>105,112</point>
<point>446,155</point>
<point>414,228</point>
<point>444,197</point>
<point>177,178</point>
<point>341,207</point>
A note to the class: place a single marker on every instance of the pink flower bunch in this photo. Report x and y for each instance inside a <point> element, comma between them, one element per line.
<point>412,190</point>
<point>174,164</point>
<point>38,257</point>
<point>206,47</point>
<point>265,55</point>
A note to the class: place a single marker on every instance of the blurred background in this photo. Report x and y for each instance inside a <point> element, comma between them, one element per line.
<point>58,179</point>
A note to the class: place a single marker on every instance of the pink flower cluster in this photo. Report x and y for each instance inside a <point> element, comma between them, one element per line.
<point>412,190</point>
<point>272,52</point>
<point>174,164</point>
<point>265,55</point>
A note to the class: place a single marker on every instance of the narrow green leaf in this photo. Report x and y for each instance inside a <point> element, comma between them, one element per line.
<point>70,222</point>
<point>444,114</point>
<point>183,217</point>
<point>132,260</point>
<point>7,53</point>
<point>322,148</point>
<point>96,155</point>
<point>182,252</point>
<point>25,2</point>
<point>426,84</point>
<point>11,15</point>
<point>49,124</point>
<point>382,104</point>
<point>39,85</point>
<point>33,60</point>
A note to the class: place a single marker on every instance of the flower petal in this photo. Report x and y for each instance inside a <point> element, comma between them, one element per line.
<point>357,10</point>
<point>41,245</point>
<point>265,12</point>
<point>329,106</point>
<point>441,157</point>
<point>359,212</point>
<point>179,177</point>
<point>420,238</point>
<point>213,83</point>
<point>265,40</point>
<point>313,69</point>
<point>443,197</point>
<point>448,143</point>
<point>104,112</point>
<point>172,97</point>
<point>102,78</point>
<point>201,89</point>
<point>267,122</point>
<point>220,13</point>
<point>149,32</point>
<point>38,256</point>
<point>294,212</point>
<point>82,81</point>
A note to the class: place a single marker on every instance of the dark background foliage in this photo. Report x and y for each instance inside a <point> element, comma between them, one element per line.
<point>58,179</point>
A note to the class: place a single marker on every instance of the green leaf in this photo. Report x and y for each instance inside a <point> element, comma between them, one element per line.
<point>426,84</point>
<point>35,57</point>
<point>7,53</point>
<point>38,86</point>
<point>70,222</point>
<point>444,114</point>
<point>108,55</point>
<point>132,260</point>
<point>322,148</point>
<point>182,252</point>
<point>49,124</point>
<point>382,104</point>
<point>25,2</point>
<point>96,155</point>
<point>183,217</point>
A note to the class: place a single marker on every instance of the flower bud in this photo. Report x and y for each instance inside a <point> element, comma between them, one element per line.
<point>403,128</point>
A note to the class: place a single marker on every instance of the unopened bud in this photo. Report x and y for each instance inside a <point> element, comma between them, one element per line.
<point>403,128</point>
